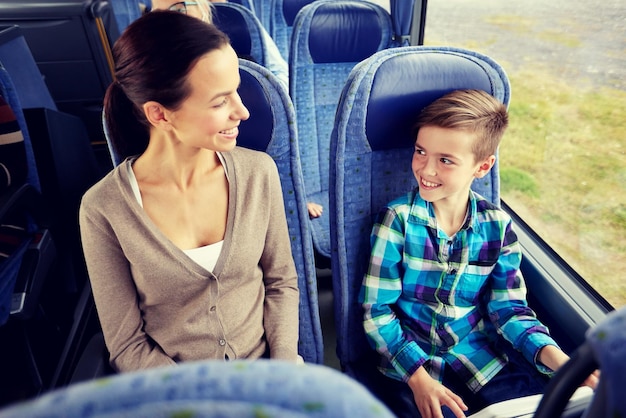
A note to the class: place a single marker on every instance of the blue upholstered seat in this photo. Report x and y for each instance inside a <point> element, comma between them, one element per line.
<point>16,202</point>
<point>61,166</point>
<point>243,389</point>
<point>125,12</point>
<point>244,30</point>
<point>249,38</point>
<point>329,38</point>
<point>261,10</point>
<point>272,128</point>
<point>372,148</point>
<point>247,4</point>
<point>282,17</point>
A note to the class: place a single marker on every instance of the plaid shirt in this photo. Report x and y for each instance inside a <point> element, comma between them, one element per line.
<point>438,301</point>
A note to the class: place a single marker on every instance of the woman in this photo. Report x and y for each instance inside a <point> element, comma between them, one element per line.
<point>186,241</point>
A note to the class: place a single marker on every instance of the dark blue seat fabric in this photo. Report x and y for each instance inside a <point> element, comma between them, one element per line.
<point>48,261</point>
<point>272,128</point>
<point>247,4</point>
<point>282,17</point>
<point>244,30</point>
<point>10,94</point>
<point>125,12</point>
<point>329,38</point>
<point>15,204</point>
<point>17,59</point>
<point>372,148</point>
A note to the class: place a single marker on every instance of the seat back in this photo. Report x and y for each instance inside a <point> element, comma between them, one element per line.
<point>20,179</point>
<point>244,30</point>
<point>282,17</point>
<point>329,38</point>
<point>125,12</point>
<point>61,166</point>
<point>11,96</point>
<point>247,4</point>
<point>70,41</point>
<point>372,145</point>
<point>17,59</point>
<point>272,128</point>
<point>261,10</point>
<point>211,389</point>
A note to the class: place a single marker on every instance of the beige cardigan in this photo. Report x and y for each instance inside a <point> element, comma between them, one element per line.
<point>157,307</point>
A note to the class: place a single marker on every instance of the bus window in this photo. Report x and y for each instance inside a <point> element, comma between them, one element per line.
<point>563,159</point>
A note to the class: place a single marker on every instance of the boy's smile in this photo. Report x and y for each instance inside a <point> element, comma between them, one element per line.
<point>444,166</point>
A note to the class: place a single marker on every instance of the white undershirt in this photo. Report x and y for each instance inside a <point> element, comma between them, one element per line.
<point>206,256</point>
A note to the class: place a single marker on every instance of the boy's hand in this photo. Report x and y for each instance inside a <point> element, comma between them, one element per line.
<point>554,358</point>
<point>430,396</point>
<point>315,210</point>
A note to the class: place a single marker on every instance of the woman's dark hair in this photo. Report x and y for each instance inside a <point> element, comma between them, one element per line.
<point>152,60</point>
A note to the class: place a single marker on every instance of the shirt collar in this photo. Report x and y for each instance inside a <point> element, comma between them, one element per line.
<point>423,212</point>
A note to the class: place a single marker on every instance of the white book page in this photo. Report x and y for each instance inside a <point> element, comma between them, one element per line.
<point>525,407</point>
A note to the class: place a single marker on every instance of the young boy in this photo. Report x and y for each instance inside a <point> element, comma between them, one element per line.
<point>445,304</point>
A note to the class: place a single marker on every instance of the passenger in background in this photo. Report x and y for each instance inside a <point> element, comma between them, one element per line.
<point>445,303</point>
<point>186,241</point>
<point>202,9</point>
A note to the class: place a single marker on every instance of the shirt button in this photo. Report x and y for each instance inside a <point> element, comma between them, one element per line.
<point>453,271</point>
<point>222,341</point>
<point>212,309</point>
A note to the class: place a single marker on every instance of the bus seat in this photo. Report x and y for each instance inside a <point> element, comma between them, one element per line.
<point>247,4</point>
<point>27,251</point>
<point>125,12</point>
<point>70,41</point>
<point>18,60</point>
<point>372,148</point>
<point>21,208</point>
<point>59,147</point>
<point>282,16</point>
<point>329,38</point>
<point>261,10</point>
<point>211,389</point>
<point>244,30</point>
<point>272,128</point>
<point>62,164</point>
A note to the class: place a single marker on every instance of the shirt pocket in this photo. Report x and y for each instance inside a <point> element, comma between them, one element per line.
<point>470,289</point>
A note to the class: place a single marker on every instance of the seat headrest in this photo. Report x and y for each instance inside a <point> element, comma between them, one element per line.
<point>256,132</point>
<point>345,32</point>
<point>230,20</point>
<point>406,83</point>
<point>291,9</point>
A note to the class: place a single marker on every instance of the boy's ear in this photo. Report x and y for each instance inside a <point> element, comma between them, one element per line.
<point>485,166</point>
<point>156,114</point>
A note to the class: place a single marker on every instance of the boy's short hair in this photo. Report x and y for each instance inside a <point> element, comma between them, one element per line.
<point>474,111</point>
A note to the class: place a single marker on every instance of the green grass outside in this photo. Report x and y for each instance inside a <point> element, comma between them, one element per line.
<point>563,164</point>
<point>563,168</point>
